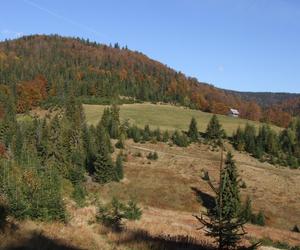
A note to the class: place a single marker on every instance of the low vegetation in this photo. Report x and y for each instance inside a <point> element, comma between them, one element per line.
<point>113,214</point>
<point>167,117</point>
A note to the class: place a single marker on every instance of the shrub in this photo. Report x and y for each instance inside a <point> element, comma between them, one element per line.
<point>180,139</point>
<point>138,154</point>
<point>258,219</point>
<point>205,175</point>
<point>275,244</point>
<point>152,156</point>
<point>296,229</point>
<point>132,211</point>
<point>79,194</point>
<point>113,214</point>
<point>243,184</point>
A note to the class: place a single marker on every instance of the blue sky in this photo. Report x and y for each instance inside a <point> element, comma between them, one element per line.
<point>249,45</point>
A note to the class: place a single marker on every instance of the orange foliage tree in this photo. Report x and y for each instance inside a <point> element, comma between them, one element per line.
<point>31,93</point>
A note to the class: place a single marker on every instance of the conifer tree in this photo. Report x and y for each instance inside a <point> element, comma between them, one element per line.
<point>119,167</point>
<point>180,139</point>
<point>193,130</point>
<point>9,122</point>
<point>106,118</point>
<point>157,134</point>
<point>146,133</point>
<point>288,140</point>
<point>272,146</point>
<point>249,137</point>
<point>225,221</point>
<point>55,154</point>
<point>121,142</point>
<point>114,126</point>
<point>42,145</point>
<point>238,140</point>
<point>214,130</point>
<point>18,141</point>
<point>166,136</point>
<point>246,212</point>
<point>3,215</point>
<point>103,169</point>
<point>102,137</point>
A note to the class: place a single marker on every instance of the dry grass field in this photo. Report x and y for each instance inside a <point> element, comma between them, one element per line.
<point>167,117</point>
<point>174,181</point>
<point>170,191</point>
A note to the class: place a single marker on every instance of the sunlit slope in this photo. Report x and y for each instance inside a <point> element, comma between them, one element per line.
<point>166,117</point>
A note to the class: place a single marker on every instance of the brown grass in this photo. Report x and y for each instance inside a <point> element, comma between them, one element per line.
<point>167,189</point>
<point>172,181</point>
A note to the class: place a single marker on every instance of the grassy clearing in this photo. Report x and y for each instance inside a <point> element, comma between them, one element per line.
<point>173,182</point>
<point>167,117</point>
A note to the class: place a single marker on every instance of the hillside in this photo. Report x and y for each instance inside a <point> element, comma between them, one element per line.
<point>287,102</point>
<point>166,117</point>
<point>265,99</point>
<point>170,191</point>
<point>42,69</point>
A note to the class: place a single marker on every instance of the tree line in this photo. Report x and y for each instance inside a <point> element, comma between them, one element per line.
<point>281,148</point>
<point>39,154</point>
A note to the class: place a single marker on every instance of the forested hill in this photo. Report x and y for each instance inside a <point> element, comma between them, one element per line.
<point>289,102</point>
<point>44,69</point>
<point>265,99</point>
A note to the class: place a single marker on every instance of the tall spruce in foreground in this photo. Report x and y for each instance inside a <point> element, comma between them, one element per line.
<point>193,130</point>
<point>225,220</point>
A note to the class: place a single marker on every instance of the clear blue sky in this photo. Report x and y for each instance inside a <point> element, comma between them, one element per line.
<point>251,45</point>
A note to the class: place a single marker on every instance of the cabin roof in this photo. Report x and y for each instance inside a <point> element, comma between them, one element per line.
<point>234,111</point>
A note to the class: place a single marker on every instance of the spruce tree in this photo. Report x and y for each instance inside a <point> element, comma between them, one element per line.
<point>102,137</point>
<point>157,134</point>
<point>238,140</point>
<point>121,142</point>
<point>249,137</point>
<point>288,140</point>
<point>103,169</point>
<point>3,215</point>
<point>180,139</point>
<point>193,130</point>
<point>272,146</point>
<point>114,126</point>
<point>246,212</point>
<point>106,118</point>
<point>55,153</point>
<point>166,136</point>
<point>146,133</point>
<point>214,131</point>
<point>119,167</point>
<point>225,221</point>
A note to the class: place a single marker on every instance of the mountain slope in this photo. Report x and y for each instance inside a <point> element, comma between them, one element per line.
<point>40,68</point>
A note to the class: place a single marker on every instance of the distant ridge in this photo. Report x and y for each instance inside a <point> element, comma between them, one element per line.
<point>265,99</point>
